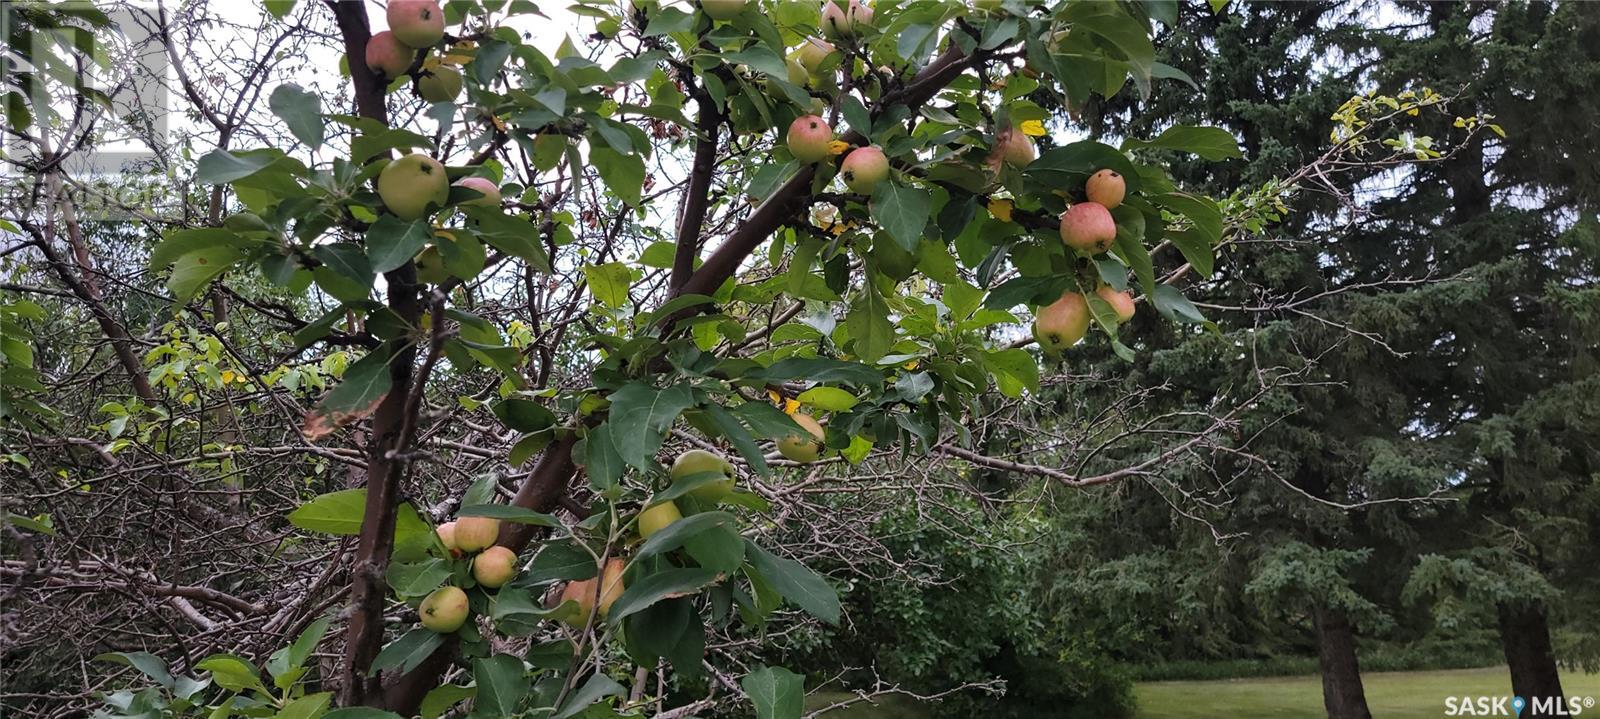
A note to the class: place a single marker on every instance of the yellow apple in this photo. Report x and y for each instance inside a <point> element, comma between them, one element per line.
<point>1122,302</point>
<point>410,184</point>
<point>657,517</point>
<point>801,448</point>
<point>491,192</point>
<point>445,610</point>
<point>696,461</point>
<point>1106,188</point>
<point>440,83</point>
<point>475,533</point>
<point>494,567</point>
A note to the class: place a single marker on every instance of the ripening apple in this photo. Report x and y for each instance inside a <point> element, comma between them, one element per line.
<point>412,183</point>
<point>1061,324</point>
<point>491,191</point>
<point>860,15</point>
<point>582,592</point>
<point>800,448</point>
<point>445,610</point>
<point>611,585</point>
<point>722,9</point>
<point>418,23</point>
<point>494,567</point>
<point>1013,148</point>
<point>447,536</point>
<point>814,54</point>
<point>1122,302</point>
<point>863,169</point>
<point>1106,188</point>
<point>808,138</point>
<point>657,517</point>
<point>475,533</point>
<point>440,83</point>
<point>1088,227</point>
<point>387,56</point>
<point>835,21</point>
<point>697,461</point>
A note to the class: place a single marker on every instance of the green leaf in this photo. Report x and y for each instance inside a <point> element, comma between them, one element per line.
<point>197,269</point>
<point>640,416</point>
<point>408,651</point>
<point>1211,143</point>
<point>902,212</point>
<point>819,370</point>
<point>508,513</point>
<point>1205,218</point>
<point>524,415</point>
<point>831,399</point>
<point>659,255</point>
<point>609,282</point>
<point>310,706</point>
<point>734,432</point>
<point>347,259</point>
<point>868,324</point>
<point>656,587</point>
<point>442,697</point>
<point>1175,307</point>
<point>501,682</point>
<point>599,686</point>
<point>285,661</point>
<point>417,579</point>
<point>337,513</point>
<point>178,243</point>
<point>1130,244</point>
<point>220,167</point>
<point>364,384</point>
<point>560,560</point>
<point>360,713</point>
<point>777,692</point>
<point>796,582</point>
<point>675,534</point>
<point>1014,371</point>
<point>301,111</point>
<point>1071,165</point>
<point>391,242</point>
<point>624,174</point>
<point>148,664</point>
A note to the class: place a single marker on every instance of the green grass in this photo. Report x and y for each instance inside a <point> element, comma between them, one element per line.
<point>1390,695</point>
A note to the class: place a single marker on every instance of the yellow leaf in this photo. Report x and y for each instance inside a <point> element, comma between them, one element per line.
<point>773,395</point>
<point>1001,209</point>
<point>910,365</point>
<point>790,406</point>
<point>1033,128</point>
<point>227,376</point>
<point>837,147</point>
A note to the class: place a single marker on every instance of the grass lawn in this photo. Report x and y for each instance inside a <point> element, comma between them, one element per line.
<point>1390,695</point>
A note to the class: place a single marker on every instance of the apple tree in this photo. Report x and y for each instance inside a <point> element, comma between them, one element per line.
<point>672,263</point>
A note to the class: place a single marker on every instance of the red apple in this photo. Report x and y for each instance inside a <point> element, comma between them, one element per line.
<point>863,169</point>
<point>418,23</point>
<point>1088,227</point>
<point>1122,302</point>
<point>808,138</point>
<point>1062,323</point>
<point>491,191</point>
<point>387,56</point>
<point>1013,148</point>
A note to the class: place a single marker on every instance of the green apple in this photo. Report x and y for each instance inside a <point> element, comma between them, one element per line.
<point>412,183</point>
<point>657,517</point>
<point>801,448</point>
<point>475,533</point>
<point>440,83</point>
<point>722,9</point>
<point>494,567</point>
<point>430,266</point>
<point>696,461</point>
<point>445,610</point>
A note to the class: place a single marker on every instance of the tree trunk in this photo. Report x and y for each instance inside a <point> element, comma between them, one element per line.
<point>1525,637</point>
<point>1342,694</point>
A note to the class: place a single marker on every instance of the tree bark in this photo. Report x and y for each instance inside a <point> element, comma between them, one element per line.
<point>1525,638</point>
<point>1342,694</point>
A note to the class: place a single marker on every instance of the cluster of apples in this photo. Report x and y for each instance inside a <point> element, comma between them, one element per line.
<point>445,609</point>
<point>414,26</point>
<point>1087,227</point>
<point>809,140</point>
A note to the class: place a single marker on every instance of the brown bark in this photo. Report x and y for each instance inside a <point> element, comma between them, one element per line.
<point>1525,639</point>
<point>1342,693</point>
